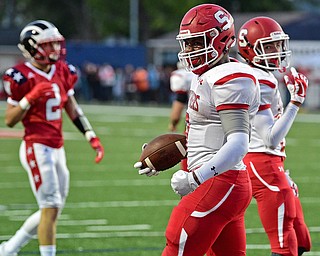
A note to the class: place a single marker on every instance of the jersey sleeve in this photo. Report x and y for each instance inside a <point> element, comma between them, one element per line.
<point>177,82</point>
<point>267,93</point>
<point>234,91</point>
<point>14,83</point>
<point>70,76</point>
<point>180,81</point>
<point>73,75</point>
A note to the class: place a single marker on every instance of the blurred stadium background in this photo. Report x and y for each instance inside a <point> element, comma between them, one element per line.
<point>114,39</point>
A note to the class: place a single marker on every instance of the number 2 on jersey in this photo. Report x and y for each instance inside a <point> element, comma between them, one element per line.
<point>53,112</point>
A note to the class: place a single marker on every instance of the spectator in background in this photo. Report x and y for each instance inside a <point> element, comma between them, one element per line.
<point>107,79</point>
<point>164,90</point>
<point>129,85</point>
<point>119,86</point>
<point>140,79</point>
<point>154,82</point>
<point>90,72</point>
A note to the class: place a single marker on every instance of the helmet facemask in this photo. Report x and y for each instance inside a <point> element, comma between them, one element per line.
<point>272,61</point>
<point>48,53</point>
<point>208,54</point>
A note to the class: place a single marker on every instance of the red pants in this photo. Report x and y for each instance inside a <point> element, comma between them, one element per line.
<point>277,204</point>
<point>211,217</point>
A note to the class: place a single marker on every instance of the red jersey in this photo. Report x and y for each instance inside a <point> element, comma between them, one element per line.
<point>43,121</point>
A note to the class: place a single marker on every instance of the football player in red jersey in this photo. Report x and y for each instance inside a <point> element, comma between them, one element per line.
<point>38,91</point>
<point>264,45</point>
<point>223,99</point>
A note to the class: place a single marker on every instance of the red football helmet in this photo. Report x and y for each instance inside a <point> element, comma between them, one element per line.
<point>256,33</point>
<point>216,27</point>
<point>41,41</point>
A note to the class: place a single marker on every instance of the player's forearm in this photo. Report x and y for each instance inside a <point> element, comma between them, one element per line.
<point>272,132</point>
<point>177,108</point>
<point>13,115</point>
<point>230,154</point>
<point>79,119</point>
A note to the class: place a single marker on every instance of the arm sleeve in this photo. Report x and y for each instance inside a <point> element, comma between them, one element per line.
<point>226,158</point>
<point>182,97</point>
<point>273,132</point>
<point>237,129</point>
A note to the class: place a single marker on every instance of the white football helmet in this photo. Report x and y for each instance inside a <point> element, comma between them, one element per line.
<point>33,38</point>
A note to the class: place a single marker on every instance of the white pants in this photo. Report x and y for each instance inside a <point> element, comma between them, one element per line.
<point>48,173</point>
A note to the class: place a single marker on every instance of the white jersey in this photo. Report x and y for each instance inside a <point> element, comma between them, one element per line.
<point>180,80</point>
<point>269,98</point>
<point>228,86</point>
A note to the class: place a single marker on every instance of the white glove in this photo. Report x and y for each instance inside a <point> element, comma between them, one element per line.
<point>292,184</point>
<point>298,86</point>
<point>183,182</point>
<point>147,171</point>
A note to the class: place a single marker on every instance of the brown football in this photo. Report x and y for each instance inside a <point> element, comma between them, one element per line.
<point>164,151</point>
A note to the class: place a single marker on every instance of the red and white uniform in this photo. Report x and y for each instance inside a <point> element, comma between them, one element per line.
<point>214,212</point>
<point>41,152</point>
<point>278,207</point>
<point>227,86</point>
<point>270,98</point>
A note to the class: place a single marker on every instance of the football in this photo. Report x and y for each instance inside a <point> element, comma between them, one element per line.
<point>164,151</point>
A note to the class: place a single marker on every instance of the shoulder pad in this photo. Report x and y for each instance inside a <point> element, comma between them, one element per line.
<point>72,69</point>
<point>16,76</point>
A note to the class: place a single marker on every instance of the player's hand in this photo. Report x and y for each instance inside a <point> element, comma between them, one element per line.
<point>297,85</point>
<point>145,171</point>
<point>172,127</point>
<point>37,91</point>
<point>97,146</point>
<point>293,185</point>
<point>183,182</point>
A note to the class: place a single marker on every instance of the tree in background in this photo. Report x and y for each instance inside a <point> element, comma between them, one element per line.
<point>96,20</point>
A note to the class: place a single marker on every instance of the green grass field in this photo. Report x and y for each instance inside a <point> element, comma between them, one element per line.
<point>111,210</point>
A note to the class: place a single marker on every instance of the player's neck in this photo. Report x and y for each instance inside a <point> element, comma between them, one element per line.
<point>43,67</point>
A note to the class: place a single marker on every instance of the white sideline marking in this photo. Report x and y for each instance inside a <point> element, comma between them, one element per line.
<point>119,228</point>
<point>258,246</point>
<point>82,222</point>
<point>23,216</point>
<point>111,234</point>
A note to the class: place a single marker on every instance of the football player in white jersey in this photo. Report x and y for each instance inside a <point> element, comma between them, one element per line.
<point>38,91</point>
<point>223,101</point>
<point>264,45</point>
<point>180,82</point>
